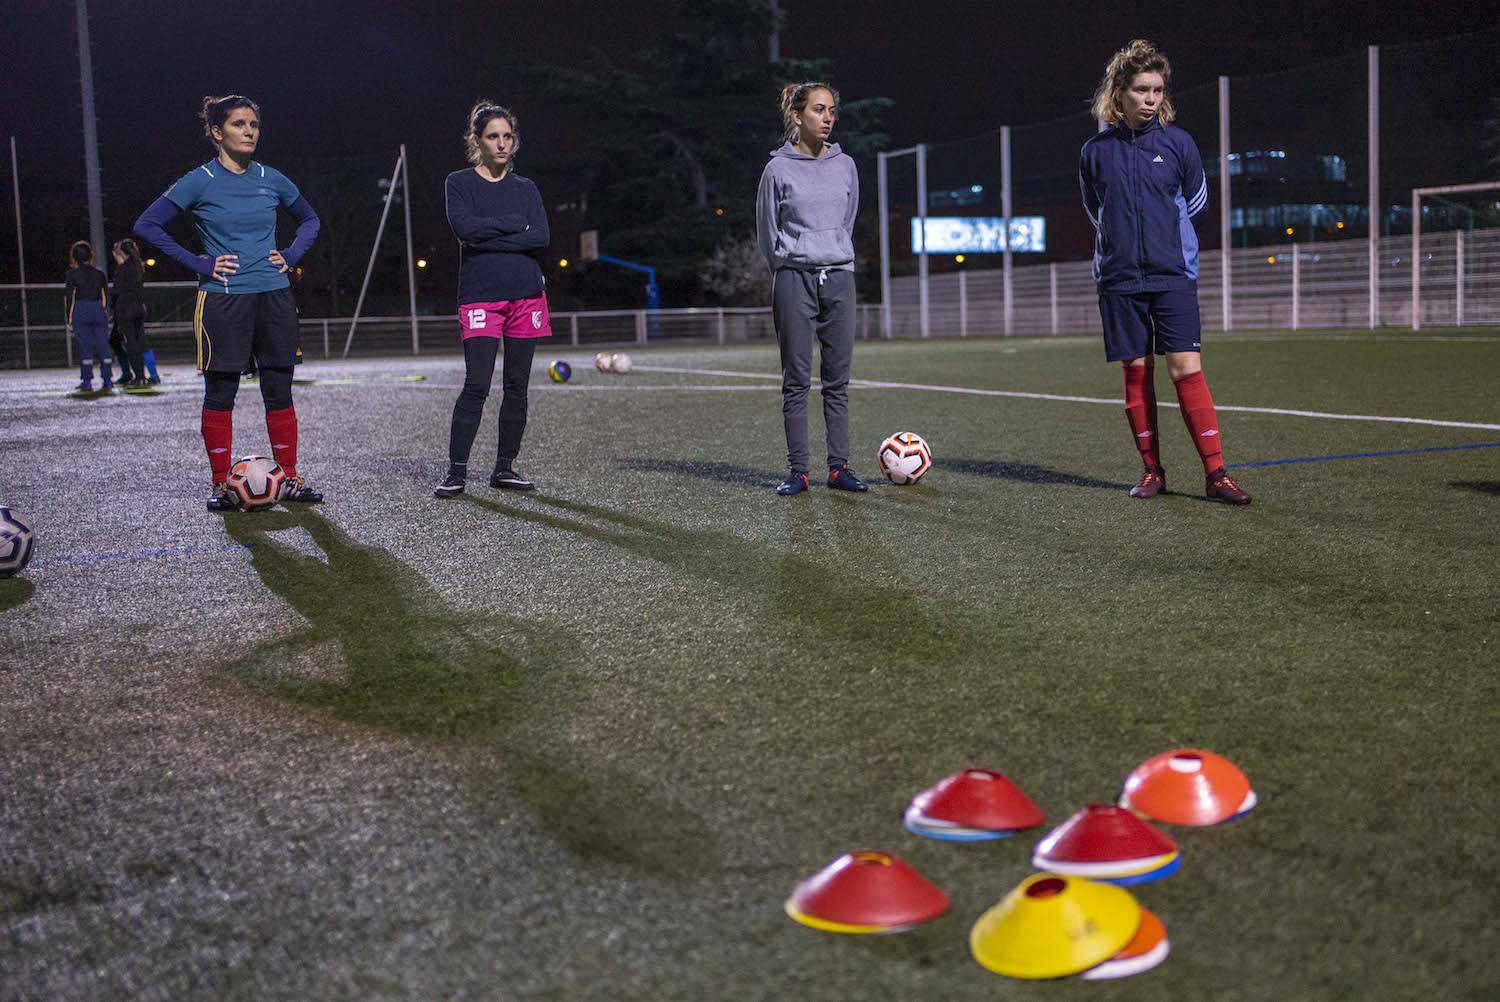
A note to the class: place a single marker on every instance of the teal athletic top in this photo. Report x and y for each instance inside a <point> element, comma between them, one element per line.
<point>236,214</point>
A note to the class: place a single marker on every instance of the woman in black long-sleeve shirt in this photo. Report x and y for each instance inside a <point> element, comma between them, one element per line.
<point>501,226</point>
<point>130,309</point>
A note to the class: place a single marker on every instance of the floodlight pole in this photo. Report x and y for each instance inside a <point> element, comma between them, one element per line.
<point>882,186</point>
<point>90,134</point>
<point>1373,79</point>
<point>370,268</point>
<point>1416,260</point>
<point>922,303</point>
<point>15,181</point>
<point>1226,279</point>
<point>411,269</point>
<point>1005,210</point>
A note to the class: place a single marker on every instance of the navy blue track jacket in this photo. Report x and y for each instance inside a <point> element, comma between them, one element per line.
<point>1143,189</point>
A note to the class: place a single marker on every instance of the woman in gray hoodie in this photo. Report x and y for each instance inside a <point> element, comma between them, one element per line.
<point>804,215</point>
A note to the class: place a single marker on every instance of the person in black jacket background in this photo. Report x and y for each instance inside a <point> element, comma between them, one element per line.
<point>130,311</point>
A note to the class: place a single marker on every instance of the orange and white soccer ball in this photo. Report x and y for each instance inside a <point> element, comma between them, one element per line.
<point>604,361</point>
<point>257,481</point>
<point>904,458</point>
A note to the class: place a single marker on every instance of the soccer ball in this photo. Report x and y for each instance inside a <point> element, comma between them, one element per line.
<point>904,457</point>
<point>257,481</point>
<point>604,361</point>
<point>622,362</point>
<point>16,540</point>
<point>560,371</point>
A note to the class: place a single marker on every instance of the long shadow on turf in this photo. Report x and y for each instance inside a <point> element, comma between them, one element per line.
<point>1027,473</point>
<point>14,592</point>
<point>1490,487</point>
<point>704,469</point>
<point>416,669</point>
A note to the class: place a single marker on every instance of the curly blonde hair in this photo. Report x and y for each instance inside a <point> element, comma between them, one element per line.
<point>794,102</point>
<point>480,116</point>
<point>1140,56</point>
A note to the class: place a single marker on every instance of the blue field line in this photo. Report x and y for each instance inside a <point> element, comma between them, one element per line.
<point>1361,455</point>
<point>99,558</point>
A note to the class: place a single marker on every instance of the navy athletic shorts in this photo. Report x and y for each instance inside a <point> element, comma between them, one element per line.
<point>230,326</point>
<point>1139,324</point>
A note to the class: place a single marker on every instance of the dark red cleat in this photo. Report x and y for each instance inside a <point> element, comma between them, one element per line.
<point>1221,488</point>
<point>1153,482</point>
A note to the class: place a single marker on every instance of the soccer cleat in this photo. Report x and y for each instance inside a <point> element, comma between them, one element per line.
<point>842,480</point>
<point>296,489</point>
<point>223,499</point>
<point>84,388</point>
<point>1153,482</point>
<point>510,480</point>
<point>154,380</point>
<point>795,483</point>
<point>452,485</point>
<point>1219,487</point>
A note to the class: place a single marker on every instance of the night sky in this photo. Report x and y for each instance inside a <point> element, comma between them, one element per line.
<point>343,79</point>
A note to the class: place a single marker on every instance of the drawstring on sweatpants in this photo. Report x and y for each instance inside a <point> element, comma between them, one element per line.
<point>822,275</point>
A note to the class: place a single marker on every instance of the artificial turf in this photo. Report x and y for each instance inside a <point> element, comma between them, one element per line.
<point>582,743</point>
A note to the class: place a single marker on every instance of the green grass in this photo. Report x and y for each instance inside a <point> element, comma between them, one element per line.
<point>582,743</point>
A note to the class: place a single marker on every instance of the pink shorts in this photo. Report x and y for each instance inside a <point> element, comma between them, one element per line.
<point>513,318</point>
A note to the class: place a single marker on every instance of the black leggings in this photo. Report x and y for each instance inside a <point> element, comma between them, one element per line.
<point>479,371</point>
<point>219,389</point>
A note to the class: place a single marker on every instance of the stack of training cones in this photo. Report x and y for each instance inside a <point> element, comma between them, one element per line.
<point>1107,843</point>
<point>1188,786</point>
<point>1057,926</point>
<point>866,892</point>
<point>975,805</point>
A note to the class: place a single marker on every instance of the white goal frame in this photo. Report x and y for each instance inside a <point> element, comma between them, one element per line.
<point>1417,194</point>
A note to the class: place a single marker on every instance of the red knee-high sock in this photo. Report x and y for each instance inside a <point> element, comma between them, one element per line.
<point>218,438</point>
<point>282,427</point>
<point>1140,411</point>
<point>1201,419</point>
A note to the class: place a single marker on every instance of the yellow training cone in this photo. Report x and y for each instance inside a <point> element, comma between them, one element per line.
<point>1053,926</point>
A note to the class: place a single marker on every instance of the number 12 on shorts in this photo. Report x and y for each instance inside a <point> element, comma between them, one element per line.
<point>476,319</point>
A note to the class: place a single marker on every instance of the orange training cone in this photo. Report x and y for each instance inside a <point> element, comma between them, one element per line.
<point>979,798</point>
<point>1188,786</point>
<point>1148,948</point>
<point>865,892</point>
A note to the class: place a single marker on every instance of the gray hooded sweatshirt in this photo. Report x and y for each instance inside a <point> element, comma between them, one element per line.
<point>804,211</point>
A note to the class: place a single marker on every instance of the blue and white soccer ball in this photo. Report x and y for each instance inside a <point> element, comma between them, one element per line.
<point>16,542</point>
<point>257,481</point>
<point>560,371</point>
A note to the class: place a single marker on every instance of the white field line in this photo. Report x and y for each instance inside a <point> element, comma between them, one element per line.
<point>971,391</point>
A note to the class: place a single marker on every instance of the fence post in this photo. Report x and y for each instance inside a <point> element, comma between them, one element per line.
<point>1372,74</point>
<point>882,186</point>
<point>1052,276</point>
<point>573,328</point>
<point>1416,261</point>
<point>721,325</point>
<point>1296,287</point>
<point>963,304</point>
<point>1226,279</point>
<point>67,338</point>
<point>640,327</point>
<point>325,337</point>
<point>1006,261</point>
<point>922,301</point>
<point>1458,247</point>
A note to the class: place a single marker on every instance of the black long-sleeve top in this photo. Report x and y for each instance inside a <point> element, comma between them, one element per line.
<point>501,228</point>
<point>129,291</point>
<point>83,284</point>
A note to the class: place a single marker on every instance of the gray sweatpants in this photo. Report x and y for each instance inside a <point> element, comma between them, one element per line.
<point>805,304</point>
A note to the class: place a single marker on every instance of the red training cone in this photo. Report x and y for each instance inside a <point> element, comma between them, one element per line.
<point>866,892</point>
<point>1102,833</point>
<point>979,798</point>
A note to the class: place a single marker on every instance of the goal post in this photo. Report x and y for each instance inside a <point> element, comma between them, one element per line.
<point>1417,194</point>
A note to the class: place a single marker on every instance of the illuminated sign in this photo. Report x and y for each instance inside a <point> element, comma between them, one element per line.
<point>980,234</point>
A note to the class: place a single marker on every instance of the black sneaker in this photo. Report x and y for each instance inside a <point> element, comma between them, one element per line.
<point>452,486</point>
<point>842,480</point>
<point>1219,486</point>
<point>223,499</point>
<point>795,483</point>
<point>296,489</point>
<point>510,480</point>
<point>1153,483</point>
